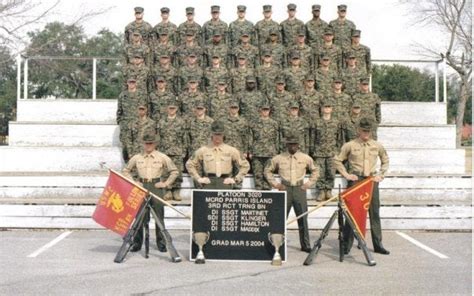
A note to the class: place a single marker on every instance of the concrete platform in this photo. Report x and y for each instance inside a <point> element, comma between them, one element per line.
<point>417,137</point>
<point>414,113</point>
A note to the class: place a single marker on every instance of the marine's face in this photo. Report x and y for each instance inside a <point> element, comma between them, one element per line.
<point>149,147</point>
<point>364,135</point>
<point>292,147</point>
<point>217,139</point>
<point>267,14</point>
<point>172,110</point>
<point>138,15</point>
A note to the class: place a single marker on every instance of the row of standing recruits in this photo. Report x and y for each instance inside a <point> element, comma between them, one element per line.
<point>220,166</point>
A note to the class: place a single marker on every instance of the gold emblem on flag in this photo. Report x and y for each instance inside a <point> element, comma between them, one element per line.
<point>115,202</point>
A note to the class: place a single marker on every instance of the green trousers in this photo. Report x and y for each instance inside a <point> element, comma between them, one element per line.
<point>258,165</point>
<point>296,198</point>
<point>326,173</point>
<point>374,218</point>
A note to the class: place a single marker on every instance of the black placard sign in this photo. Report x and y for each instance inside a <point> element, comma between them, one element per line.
<point>239,223</point>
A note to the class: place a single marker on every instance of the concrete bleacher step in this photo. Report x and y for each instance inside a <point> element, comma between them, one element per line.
<point>63,134</point>
<point>414,113</point>
<point>79,217</point>
<point>83,159</point>
<point>67,110</point>
<point>60,188</point>
<point>98,134</point>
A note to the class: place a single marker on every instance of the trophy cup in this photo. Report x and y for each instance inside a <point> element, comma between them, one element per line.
<point>276,239</point>
<point>200,239</point>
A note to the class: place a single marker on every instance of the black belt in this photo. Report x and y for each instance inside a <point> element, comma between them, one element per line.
<point>154,180</point>
<point>214,175</point>
<point>362,175</point>
<point>287,183</point>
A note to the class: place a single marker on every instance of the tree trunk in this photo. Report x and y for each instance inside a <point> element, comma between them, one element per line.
<point>463,96</point>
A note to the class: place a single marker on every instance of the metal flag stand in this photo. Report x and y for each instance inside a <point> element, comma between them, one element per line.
<point>340,213</point>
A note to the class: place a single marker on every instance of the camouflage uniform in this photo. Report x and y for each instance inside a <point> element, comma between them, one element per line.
<point>362,55</point>
<point>157,103</point>
<point>326,145</point>
<point>185,27</point>
<point>237,27</point>
<point>164,48</point>
<point>142,74</point>
<point>263,28</point>
<point>294,78</point>
<point>213,75</point>
<point>221,49</point>
<point>349,128</point>
<point>334,52</point>
<point>199,132</point>
<point>185,49</point>
<point>370,108</point>
<point>249,51</point>
<point>209,27</point>
<point>127,106</point>
<point>265,145</point>
<point>170,27</point>
<point>170,75</point>
<point>217,103</point>
<point>237,132</point>
<point>250,100</point>
<point>143,27</point>
<point>278,53</point>
<point>186,72</point>
<point>290,28</point>
<point>188,99</point>
<point>350,78</point>
<point>266,77</point>
<point>238,76</point>
<point>324,79</point>
<point>173,141</point>
<point>342,103</point>
<point>306,54</point>
<point>131,48</point>
<point>314,31</point>
<point>280,102</point>
<point>297,126</point>
<point>342,29</point>
<point>310,101</point>
<point>136,130</point>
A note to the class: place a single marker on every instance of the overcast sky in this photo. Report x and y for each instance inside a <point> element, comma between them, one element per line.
<point>387,27</point>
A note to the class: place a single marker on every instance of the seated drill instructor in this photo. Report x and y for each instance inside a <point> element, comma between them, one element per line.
<point>361,154</point>
<point>292,166</point>
<point>217,160</point>
<point>151,165</point>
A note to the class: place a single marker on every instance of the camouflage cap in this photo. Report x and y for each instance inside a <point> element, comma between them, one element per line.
<point>242,8</point>
<point>138,33</point>
<point>241,55</point>
<point>217,127</point>
<point>350,55</point>
<point>193,79</point>
<point>149,138</point>
<point>215,54</point>
<point>364,80</point>
<point>138,9</point>
<point>192,54</point>
<point>301,32</point>
<point>200,104</point>
<point>295,54</point>
<point>365,124</point>
<point>355,33</point>
<point>267,52</point>
<point>309,77</point>
<point>294,104</point>
<point>131,79</point>
<point>165,10</point>
<point>189,10</point>
<point>216,32</point>
<point>142,106</point>
<point>328,31</point>
<point>291,139</point>
<point>316,7</point>
<point>327,103</point>
<point>164,55</point>
<point>357,103</point>
<point>172,103</point>
<point>265,105</point>
<point>291,6</point>
<point>280,79</point>
<point>222,81</point>
<point>233,103</point>
<point>325,56</point>
<point>273,31</point>
<point>163,31</point>
<point>337,79</point>
<point>138,54</point>
<point>342,7</point>
<point>190,32</point>
<point>267,8</point>
<point>244,33</point>
<point>250,78</point>
<point>215,8</point>
<point>160,78</point>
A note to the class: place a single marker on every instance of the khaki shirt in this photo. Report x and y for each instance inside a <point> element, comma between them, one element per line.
<point>292,169</point>
<point>362,158</point>
<point>217,160</point>
<point>151,166</point>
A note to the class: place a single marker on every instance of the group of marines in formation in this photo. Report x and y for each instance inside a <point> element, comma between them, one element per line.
<point>266,87</point>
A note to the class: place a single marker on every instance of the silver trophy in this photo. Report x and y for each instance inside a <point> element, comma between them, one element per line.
<point>276,239</point>
<point>200,239</point>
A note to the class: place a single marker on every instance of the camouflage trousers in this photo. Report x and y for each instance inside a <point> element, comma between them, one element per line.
<point>327,173</point>
<point>123,140</point>
<point>258,165</point>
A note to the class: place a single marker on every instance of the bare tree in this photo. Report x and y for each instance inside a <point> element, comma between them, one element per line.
<point>453,18</point>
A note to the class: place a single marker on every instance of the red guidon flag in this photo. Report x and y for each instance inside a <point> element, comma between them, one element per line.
<point>357,200</point>
<point>118,205</point>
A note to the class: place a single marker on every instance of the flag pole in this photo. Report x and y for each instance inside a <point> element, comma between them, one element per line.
<point>151,193</point>
<point>313,209</point>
